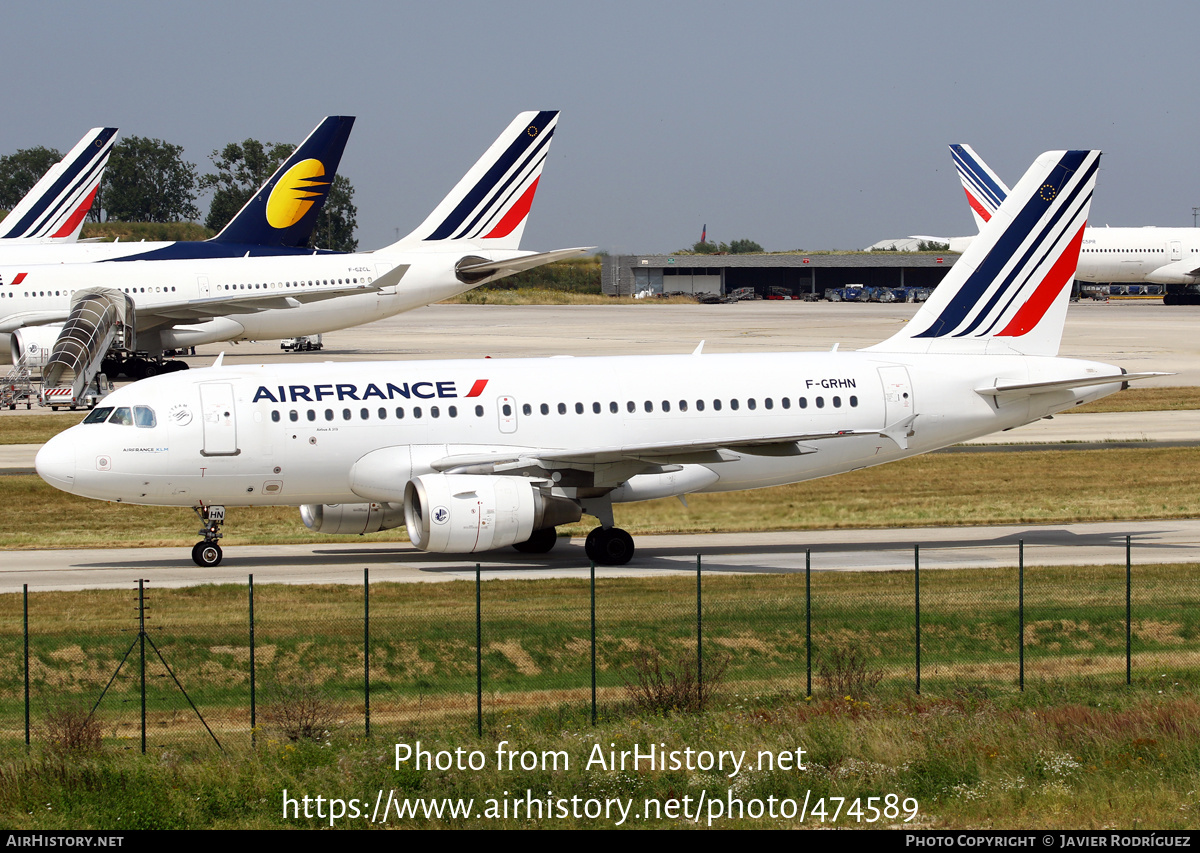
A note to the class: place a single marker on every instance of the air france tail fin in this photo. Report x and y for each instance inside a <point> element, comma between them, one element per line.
<point>984,188</point>
<point>54,209</point>
<point>285,208</point>
<point>488,208</point>
<point>1008,292</point>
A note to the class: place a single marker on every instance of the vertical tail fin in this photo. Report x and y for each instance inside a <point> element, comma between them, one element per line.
<point>54,209</point>
<point>1008,292</point>
<point>285,208</point>
<point>984,188</point>
<point>488,208</point>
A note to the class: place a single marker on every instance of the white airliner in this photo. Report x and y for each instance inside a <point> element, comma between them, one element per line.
<point>480,454</point>
<point>471,237</point>
<point>53,210</point>
<point>1152,254</point>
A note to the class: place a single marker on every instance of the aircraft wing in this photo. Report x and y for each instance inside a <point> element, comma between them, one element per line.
<point>700,451</point>
<point>484,269</point>
<point>200,310</point>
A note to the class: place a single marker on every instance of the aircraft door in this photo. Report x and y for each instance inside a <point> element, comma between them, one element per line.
<point>202,286</point>
<point>1176,251</point>
<point>897,394</point>
<point>220,423</point>
<point>506,411</point>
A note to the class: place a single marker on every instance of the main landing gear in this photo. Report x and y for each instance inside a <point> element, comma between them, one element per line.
<point>609,546</point>
<point>207,553</point>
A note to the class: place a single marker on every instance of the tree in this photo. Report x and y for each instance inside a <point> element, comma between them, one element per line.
<point>244,167</point>
<point>241,169</point>
<point>20,171</point>
<point>148,180</point>
<point>745,247</point>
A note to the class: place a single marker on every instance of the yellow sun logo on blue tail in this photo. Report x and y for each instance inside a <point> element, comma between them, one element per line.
<point>299,188</point>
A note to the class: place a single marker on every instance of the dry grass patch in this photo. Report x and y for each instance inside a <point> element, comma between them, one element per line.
<point>1146,400</point>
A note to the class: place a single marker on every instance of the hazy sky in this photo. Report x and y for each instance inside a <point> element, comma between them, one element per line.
<point>797,125</point>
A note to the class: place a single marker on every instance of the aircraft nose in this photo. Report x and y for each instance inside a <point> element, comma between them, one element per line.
<point>55,462</point>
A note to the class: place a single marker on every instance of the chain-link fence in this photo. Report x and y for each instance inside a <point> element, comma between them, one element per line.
<point>224,665</point>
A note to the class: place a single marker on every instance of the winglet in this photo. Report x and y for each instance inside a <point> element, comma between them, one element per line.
<point>284,210</point>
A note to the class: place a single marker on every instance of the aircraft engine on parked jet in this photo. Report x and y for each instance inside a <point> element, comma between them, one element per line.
<point>34,344</point>
<point>464,513</point>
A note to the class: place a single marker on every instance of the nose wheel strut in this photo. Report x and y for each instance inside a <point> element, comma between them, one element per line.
<point>207,553</point>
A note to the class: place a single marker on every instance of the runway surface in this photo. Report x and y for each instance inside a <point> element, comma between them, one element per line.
<point>1153,542</point>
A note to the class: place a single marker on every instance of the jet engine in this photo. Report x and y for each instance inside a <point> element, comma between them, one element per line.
<point>34,344</point>
<point>464,513</point>
<point>351,518</point>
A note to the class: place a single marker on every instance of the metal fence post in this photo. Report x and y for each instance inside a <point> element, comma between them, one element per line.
<point>367,652</point>
<point>917,608</point>
<point>25,598</point>
<point>593,585</point>
<point>253,683</point>
<point>1021,612</point>
<point>142,649</point>
<point>699,635</point>
<point>1128,615</point>
<point>808,620</point>
<point>478,658</point>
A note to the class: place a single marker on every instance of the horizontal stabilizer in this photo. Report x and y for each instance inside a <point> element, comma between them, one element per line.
<point>1031,388</point>
<point>475,272</point>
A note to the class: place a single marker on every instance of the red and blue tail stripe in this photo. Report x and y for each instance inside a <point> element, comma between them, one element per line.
<point>55,207</point>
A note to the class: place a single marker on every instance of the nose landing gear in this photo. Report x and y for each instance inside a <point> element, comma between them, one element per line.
<point>207,553</point>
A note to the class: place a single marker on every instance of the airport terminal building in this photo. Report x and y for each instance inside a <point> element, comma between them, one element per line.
<point>797,274</point>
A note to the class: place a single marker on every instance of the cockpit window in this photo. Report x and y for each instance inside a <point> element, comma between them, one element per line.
<point>122,416</point>
<point>98,416</point>
<point>143,416</point>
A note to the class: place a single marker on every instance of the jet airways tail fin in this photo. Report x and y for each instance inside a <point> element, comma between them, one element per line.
<point>1008,292</point>
<point>54,209</point>
<point>489,206</point>
<point>285,208</point>
<point>984,188</point>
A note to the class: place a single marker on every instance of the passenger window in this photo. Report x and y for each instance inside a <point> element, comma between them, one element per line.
<point>596,408</point>
<point>479,411</point>
<point>579,408</point>
<point>803,401</point>
<point>787,402</point>
<point>853,401</point>
<point>716,405</point>
<point>837,402</point>
<point>435,412</point>
<point>769,403</point>
<point>382,413</point>
<point>699,405</point>
<point>293,416</point>
<point>417,411</point>
<point>364,414</point>
<point>526,409</point>
<point>683,405</point>
<point>733,404</point>
<point>312,415</point>
<point>453,411</point>
<point>648,406</point>
<point>275,416</point>
<point>329,414</point>
<point>544,409</point>
<point>562,408</point>
<point>400,413</point>
<point>613,407</point>
<point>630,407</point>
<point>751,404</point>
<point>820,402</point>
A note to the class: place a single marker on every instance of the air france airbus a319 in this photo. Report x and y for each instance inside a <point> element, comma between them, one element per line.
<point>480,454</point>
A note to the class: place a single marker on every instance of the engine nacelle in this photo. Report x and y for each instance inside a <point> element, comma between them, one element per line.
<point>351,518</point>
<point>34,344</point>
<point>465,513</point>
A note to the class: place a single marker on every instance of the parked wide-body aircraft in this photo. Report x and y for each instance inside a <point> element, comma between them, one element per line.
<point>1150,253</point>
<point>480,454</point>
<point>472,237</point>
<point>53,210</point>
